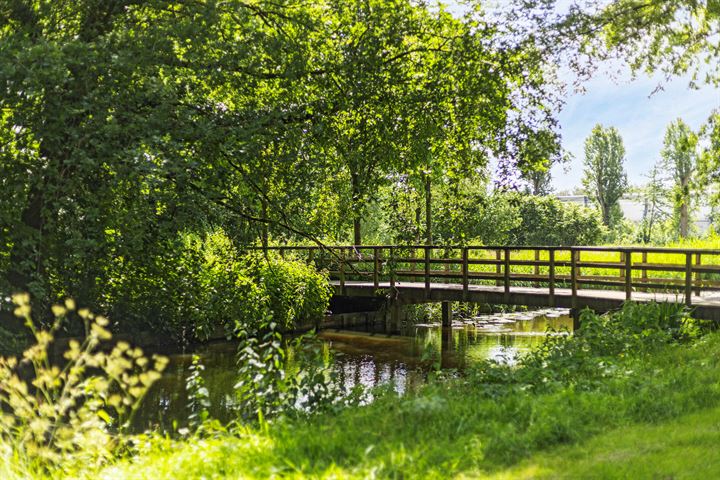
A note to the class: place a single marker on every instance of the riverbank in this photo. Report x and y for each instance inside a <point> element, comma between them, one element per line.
<point>498,422</point>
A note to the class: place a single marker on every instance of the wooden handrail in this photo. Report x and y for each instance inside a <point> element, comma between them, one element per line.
<point>554,267</point>
<point>584,248</point>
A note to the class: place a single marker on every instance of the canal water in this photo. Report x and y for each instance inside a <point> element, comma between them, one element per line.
<point>401,362</point>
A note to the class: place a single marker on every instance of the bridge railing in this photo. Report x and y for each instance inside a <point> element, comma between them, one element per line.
<point>686,272</point>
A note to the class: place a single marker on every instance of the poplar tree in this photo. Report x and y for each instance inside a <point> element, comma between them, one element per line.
<point>604,178</point>
<point>680,156</point>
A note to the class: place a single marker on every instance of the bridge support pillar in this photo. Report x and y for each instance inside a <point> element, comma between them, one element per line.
<point>392,317</point>
<point>446,314</point>
<point>575,314</point>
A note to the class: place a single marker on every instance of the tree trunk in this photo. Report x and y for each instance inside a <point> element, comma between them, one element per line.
<point>605,209</point>
<point>264,229</point>
<point>357,217</point>
<point>24,253</point>
<point>357,236</point>
<point>684,219</point>
<point>428,211</point>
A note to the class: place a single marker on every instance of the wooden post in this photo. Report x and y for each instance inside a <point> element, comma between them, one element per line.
<point>391,260</point>
<point>446,314</point>
<point>342,271</point>
<point>578,268</point>
<point>573,276</point>
<point>465,273</point>
<point>428,252</point>
<point>628,276</point>
<point>688,279</point>
<point>394,317</point>
<point>551,274</point>
<point>621,271</point>
<point>644,269</point>
<point>498,267</point>
<point>506,274</point>
<point>698,277</point>
<point>376,267</point>
<point>536,270</point>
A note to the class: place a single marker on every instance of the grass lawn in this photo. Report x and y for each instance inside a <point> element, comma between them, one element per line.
<point>686,447</point>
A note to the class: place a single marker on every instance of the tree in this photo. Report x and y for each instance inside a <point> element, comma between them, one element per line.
<point>672,36</point>
<point>680,156</point>
<point>604,177</point>
<point>126,125</point>
<point>709,161</point>
<point>544,152</point>
<point>654,195</point>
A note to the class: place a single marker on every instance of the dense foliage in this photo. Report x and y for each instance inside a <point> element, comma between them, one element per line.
<point>517,219</point>
<point>204,285</point>
<point>125,126</point>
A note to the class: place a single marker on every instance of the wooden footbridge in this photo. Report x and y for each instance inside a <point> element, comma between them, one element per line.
<point>601,278</point>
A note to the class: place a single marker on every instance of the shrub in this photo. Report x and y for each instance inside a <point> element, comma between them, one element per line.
<point>295,292</point>
<point>69,414</point>
<point>593,352</point>
<point>207,285</point>
<point>548,221</point>
<point>279,378</point>
<point>514,219</point>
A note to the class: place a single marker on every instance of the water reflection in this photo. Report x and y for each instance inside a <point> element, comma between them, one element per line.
<point>371,360</point>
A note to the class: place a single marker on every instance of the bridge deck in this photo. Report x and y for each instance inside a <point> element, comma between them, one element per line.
<point>706,305</point>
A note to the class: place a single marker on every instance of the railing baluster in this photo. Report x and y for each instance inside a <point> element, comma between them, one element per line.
<point>698,277</point>
<point>551,275</point>
<point>341,259</point>
<point>391,261</point>
<point>644,269</point>
<point>428,253</point>
<point>574,254</point>
<point>506,279</point>
<point>536,270</point>
<point>376,267</point>
<point>688,279</point>
<point>465,273</point>
<point>498,268</point>
<point>628,276</point>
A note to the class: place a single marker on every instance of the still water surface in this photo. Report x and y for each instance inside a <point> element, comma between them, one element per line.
<point>360,358</point>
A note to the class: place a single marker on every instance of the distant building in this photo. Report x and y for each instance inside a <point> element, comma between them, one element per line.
<point>632,209</point>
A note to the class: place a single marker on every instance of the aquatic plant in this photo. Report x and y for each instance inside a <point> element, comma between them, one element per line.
<point>276,377</point>
<point>198,395</point>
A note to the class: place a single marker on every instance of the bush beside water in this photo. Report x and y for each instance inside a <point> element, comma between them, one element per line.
<point>209,284</point>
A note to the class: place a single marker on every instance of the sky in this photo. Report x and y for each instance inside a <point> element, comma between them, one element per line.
<point>639,115</point>
<point>629,105</point>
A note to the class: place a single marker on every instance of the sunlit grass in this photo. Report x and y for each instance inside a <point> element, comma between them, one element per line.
<point>682,448</point>
<point>452,430</point>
